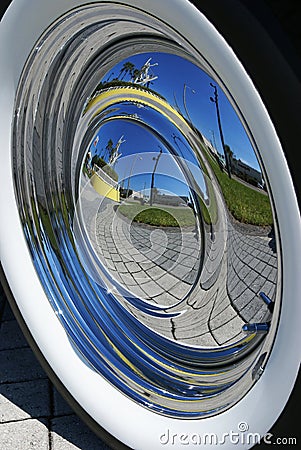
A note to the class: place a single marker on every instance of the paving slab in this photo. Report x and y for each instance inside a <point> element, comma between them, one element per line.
<point>33,414</point>
<point>69,433</point>
<point>29,434</point>
<point>19,401</point>
<point>19,365</point>
<point>11,336</point>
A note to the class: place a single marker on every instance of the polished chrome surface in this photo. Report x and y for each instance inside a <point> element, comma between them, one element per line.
<point>154,238</point>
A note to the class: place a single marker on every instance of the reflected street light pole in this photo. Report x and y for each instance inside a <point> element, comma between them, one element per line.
<point>155,158</point>
<point>131,171</point>
<point>213,137</point>
<point>215,100</point>
<point>184,101</point>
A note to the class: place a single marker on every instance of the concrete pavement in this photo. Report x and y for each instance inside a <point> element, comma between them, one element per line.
<point>33,415</point>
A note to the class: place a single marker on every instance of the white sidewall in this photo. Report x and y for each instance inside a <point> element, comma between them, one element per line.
<point>132,424</point>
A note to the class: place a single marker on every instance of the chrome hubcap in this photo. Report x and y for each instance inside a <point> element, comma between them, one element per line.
<point>152,254</point>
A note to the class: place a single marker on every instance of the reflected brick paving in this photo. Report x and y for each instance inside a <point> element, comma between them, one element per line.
<point>148,261</point>
<point>252,267</point>
<point>162,266</point>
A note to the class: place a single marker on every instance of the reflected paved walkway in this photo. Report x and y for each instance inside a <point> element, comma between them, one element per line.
<point>161,266</point>
<point>252,267</point>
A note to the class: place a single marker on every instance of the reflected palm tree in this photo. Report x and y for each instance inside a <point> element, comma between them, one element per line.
<point>136,73</point>
<point>229,154</point>
<point>127,68</point>
<point>108,150</point>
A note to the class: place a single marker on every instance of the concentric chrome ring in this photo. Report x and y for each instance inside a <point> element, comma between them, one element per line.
<point>174,341</point>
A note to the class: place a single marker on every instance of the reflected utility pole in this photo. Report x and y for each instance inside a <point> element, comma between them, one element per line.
<point>155,158</point>
<point>215,100</point>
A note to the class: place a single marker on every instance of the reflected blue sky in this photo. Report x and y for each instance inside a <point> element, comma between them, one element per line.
<point>173,74</point>
<point>137,158</point>
<point>145,131</point>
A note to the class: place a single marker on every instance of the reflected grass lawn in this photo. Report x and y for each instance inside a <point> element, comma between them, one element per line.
<point>247,205</point>
<point>158,215</point>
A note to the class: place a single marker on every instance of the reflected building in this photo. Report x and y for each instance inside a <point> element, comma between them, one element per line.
<point>246,172</point>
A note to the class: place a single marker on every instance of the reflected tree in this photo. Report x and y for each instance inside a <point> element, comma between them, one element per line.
<point>109,149</point>
<point>229,155</point>
<point>127,68</point>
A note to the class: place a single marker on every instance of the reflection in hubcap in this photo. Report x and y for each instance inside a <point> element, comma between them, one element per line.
<point>146,210</point>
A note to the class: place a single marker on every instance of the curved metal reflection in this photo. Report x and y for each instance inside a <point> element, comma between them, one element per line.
<point>158,261</point>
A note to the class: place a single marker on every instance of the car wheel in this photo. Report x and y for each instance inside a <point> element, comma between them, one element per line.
<point>148,174</point>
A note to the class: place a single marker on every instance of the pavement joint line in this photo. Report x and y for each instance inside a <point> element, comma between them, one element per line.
<point>42,417</point>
